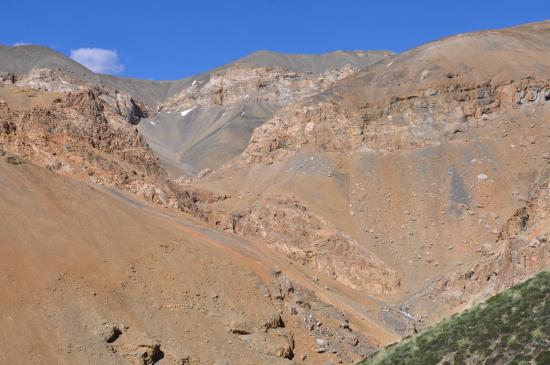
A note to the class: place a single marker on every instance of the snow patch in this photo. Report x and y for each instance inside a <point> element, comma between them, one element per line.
<point>152,123</point>
<point>389,64</point>
<point>185,112</point>
<point>194,83</point>
<point>64,82</point>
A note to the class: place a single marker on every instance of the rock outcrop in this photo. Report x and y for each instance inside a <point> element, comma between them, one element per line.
<point>522,250</point>
<point>79,134</point>
<point>419,98</point>
<point>48,80</point>
<point>241,84</point>
<point>209,121</point>
<point>426,118</point>
<point>307,238</point>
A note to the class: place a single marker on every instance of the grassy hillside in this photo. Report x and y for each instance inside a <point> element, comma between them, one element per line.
<point>510,328</point>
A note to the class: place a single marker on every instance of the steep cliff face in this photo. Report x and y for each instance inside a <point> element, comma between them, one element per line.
<point>84,134</point>
<point>241,84</point>
<point>78,133</point>
<point>426,118</point>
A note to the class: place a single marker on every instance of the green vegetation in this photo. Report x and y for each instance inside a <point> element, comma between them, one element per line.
<point>510,328</point>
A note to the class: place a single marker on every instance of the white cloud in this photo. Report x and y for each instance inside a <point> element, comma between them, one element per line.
<point>104,61</point>
<point>21,44</point>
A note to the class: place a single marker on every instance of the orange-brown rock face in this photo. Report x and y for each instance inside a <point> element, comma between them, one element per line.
<point>78,134</point>
<point>309,239</point>
<point>88,135</point>
<point>429,117</point>
<point>419,98</point>
<point>245,83</point>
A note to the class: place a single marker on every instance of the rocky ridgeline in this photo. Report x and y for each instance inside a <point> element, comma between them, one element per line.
<point>47,80</point>
<point>436,115</point>
<point>241,84</point>
<point>427,117</point>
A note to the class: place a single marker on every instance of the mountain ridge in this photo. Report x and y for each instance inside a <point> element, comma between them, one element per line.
<point>45,57</point>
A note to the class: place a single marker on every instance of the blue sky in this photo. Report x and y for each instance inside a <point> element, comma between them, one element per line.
<point>172,39</point>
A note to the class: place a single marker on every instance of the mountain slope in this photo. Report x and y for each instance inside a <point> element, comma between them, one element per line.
<point>210,120</point>
<point>420,170</point>
<point>418,98</point>
<point>22,59</point>
<point>510,328</point>
<point>90,278</point>
<point>231,100</point>
<point>92,275</point>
